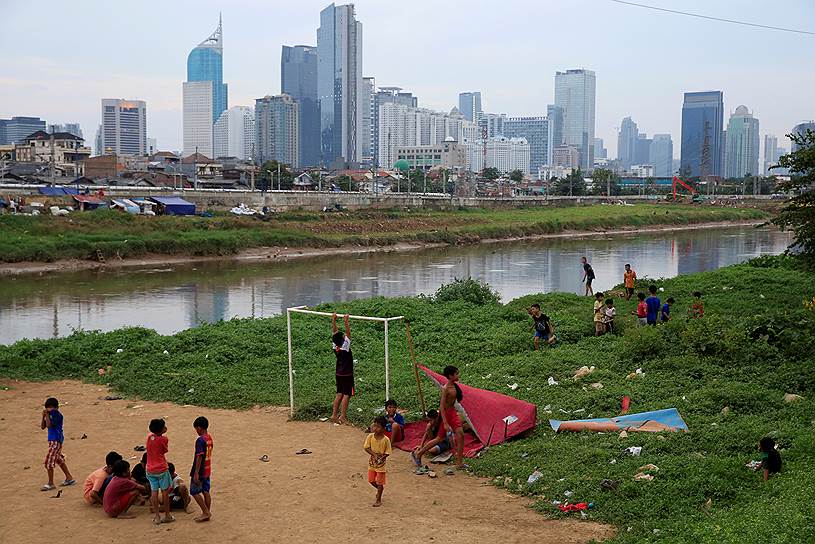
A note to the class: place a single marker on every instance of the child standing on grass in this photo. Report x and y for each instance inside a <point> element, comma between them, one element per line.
<point>666,310</point>
<point>599,315</point>
<point>697,309</point>
<point>202,469</point>
<point>378,447</point>
<point>629,277</point>
<point>158,473</point>
<point>52,420</point>
<point>395,427</point>
<point>653,305</point>
<point>609,313</point>
<point>642,309</point>
<point>770,458</point>
<point>122,492</point>
<point>542,326</point>
<point>344,369</point>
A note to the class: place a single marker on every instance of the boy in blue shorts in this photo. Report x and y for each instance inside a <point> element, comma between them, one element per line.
<point>158,473</point>
<point>202,469</point>
<point>52,420</point>
<point>542,326</point>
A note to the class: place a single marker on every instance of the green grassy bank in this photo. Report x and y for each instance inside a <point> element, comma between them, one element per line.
<point>48,239</point>
<point>753,346</point>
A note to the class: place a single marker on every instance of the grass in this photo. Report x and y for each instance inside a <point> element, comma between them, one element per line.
<point>48,239</point>
<point>753,346</point>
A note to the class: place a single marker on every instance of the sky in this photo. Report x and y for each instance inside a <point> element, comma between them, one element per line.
<point>59,64</point>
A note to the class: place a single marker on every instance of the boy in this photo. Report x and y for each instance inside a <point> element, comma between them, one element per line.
<point>599,315</point>
<point>139,473</point>
<point>122,492</point>
<point>770,458</point>
<point>542,326</point>
<point>653,305</point>
<point>157,470</point>
<point>179,494</point>
<point>588,275</point>
<point>629,277</point>
<point>95,482</point>
<point>378,447</point>
<point>697,309</point>
<point>451,423</point>
<point>52,420</point>
<point>344,369</point>
<point>666,310</point>
<point>202,469</point>
<point>642,309</point>
<point>395,427</point>
<point>609,313</point>
<point>432,443</point>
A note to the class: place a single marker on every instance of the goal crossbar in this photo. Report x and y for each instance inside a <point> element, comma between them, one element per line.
<point>303,310</point>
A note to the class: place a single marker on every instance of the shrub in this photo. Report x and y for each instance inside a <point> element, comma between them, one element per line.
<point>468,290</point>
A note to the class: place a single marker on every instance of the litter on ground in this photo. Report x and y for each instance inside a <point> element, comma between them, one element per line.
<point>656,421</point>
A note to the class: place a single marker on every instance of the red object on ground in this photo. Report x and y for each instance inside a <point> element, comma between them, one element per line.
<point>493,417</point>
<point>683,184</point>
<point>573,507</point>
<point>626,404</point>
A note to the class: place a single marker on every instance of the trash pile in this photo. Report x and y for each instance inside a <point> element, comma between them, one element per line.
<point>243,209</point>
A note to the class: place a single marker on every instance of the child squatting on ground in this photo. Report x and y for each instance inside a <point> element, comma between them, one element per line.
<point>770,458</point>
<point>52,420</point>
<point>378,447</point>
<point>432,443</point>
<point>122,492</point>
<point>395,426</point>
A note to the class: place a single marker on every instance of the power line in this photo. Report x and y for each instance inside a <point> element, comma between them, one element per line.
<point>733,21</point>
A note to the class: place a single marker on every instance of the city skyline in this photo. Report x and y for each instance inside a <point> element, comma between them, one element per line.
<point>652,97</point>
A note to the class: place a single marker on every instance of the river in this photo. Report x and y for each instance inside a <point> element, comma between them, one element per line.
<point>170,299</point>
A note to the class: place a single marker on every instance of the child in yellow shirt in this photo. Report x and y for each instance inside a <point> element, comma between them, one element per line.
<point>378,447</point>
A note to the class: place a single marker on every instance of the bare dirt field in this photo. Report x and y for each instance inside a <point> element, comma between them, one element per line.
<point>322,497</point>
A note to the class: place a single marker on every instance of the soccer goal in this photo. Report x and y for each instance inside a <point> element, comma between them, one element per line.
<point>303,310</point>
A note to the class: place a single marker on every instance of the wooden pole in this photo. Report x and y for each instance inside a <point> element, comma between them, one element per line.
<point>415,368</point>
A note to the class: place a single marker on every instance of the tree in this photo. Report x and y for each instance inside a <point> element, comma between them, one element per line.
<point>571,185</point>
<point>517,176</point>
<point>491,173</point>
<point>346,183</point>
<point>605,182</point>
<point>268,176</point>
<point>798,214</point>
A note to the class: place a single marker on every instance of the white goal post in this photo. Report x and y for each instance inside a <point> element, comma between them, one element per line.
<point>303,310</point>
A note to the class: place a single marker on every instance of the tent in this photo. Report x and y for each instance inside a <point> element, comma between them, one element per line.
<point>493,417</point>
<point>125,205</point>
<point>88,202</point>
<point>654,422</point>
<point>174,205</point>
<point>51,191</point>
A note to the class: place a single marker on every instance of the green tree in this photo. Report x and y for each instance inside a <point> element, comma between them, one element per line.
<point>798,214</point>
<point>571,185</point>
<point>491,173</point>
<point>346,183</point>
<point>268,176</point>
<point>605,182</point>
<point>516,176</point>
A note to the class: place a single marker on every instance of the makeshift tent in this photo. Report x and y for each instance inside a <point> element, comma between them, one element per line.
<point>88,202</point>
<point>654,422</point>
<point>51,191</point>
<point>173,205</point>
<point>125,205</point>
<point>493,418</point>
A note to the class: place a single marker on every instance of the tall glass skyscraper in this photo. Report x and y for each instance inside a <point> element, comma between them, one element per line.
<point>298,79</point>
<point>801,128</point>
<point>575,93</point>
<point>742,144</point>
<point>627,143</point>
<point>469,104</point>
<point>702,119</point>
<point>339,84</point>
<point>536,132</point>
<point>662,154</point>
<point>206,63</point>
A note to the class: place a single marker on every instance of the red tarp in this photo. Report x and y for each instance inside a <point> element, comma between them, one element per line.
<point>492,416</point>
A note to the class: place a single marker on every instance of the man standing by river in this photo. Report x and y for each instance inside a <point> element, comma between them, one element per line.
<point>588,275</point>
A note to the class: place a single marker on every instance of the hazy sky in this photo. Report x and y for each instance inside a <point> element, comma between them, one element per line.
<point>61,58</point>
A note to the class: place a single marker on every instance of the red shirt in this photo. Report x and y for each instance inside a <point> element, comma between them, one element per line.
<point>642,309</point>
<point>112,499</point>
<point>157,446</point>
<point>203,449</point>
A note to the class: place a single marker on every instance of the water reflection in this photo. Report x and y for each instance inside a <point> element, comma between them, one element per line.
<point>171,299</point>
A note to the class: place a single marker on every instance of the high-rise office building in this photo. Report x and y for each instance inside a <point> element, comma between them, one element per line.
<point>701,148</point>
<point>469,104</point>
<point>493,123</point>
<point>124,126</point>
<point>197,112</point>
<point>298,79</point>
<point>575,93</point>
<point>17,129</point>
<point>276,130</point>
<point>770,151</point>
<point>555,115</point>
<point>627,143</point>
<point>98,149</point>
<point>600,151</point>
<point>70,128</point>
<point>387,95</point>
<point>661,155</point>
<point>505,154</point>
<point>642,154</point>
<point>536,132</point>
<point>742,144</point>
<point>339,84</point>
<point>206,63</point>
<point>367,104</point>
<point>234,133</point>
<point>801,128</point>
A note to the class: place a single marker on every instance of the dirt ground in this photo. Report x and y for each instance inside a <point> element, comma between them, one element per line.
<point>322,497</point>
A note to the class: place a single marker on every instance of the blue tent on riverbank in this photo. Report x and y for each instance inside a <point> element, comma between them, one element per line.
<point>173,205</point>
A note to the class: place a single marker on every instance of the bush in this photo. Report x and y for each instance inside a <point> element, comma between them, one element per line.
<point>468,290</point>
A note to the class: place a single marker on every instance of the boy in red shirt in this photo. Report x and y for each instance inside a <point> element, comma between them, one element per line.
<point>158,473</point>
<point>122,492</point>
<point>642,309</point>
<point>202,468</point>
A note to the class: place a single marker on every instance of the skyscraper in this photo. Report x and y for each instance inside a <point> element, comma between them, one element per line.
<point>661,155</point>
<point>386,95</point>
<point>206,63</point>
<point>536,132</point>
<point>742,144</point>
<point>234,133</point>
<point>339,84</point>
<point>469,104</point>
<point>701,147</point>
<point>367,133</point>
<point>627,143</point>
<point>70,128</point>
<point>276,130</point>
<point>16,129</point>
<point>124,126</point>
<point>575,93</point>
<point>801,128</point>
<point>642,154</point>
<point>770,154</point>
<point>555,115</point>
<point>298,79</point>
<point>600,151</point>
<point>198,118</point>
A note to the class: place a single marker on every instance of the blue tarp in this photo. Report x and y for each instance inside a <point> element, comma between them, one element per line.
<point>658,420</point>
<point>52,191</point>
<point>174,205</point>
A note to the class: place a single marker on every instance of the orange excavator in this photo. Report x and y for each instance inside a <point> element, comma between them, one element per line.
<point>694,192</point>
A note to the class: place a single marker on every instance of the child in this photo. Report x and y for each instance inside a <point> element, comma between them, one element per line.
<point>432,443</point>
<point>139,473</point>
<point>697,309</point>
<point>396,423</point>
<point>599,315</point>
<point>157,470</point>
<point>609,313</point>
<point>95,482</point>
<point>588,275</point>
<point>202,469</point>
<point>52,420</point>
<point>179,494</point>
<point>770,458</point>
<point>653,304</point>
<point>666,310</point>
<point>344,369</point>
<point>542,325</point>
<point>629,277</point>
<point>451,422</point>
<point>378,447</point>
<point>642,309</point>
<point>122,492</point>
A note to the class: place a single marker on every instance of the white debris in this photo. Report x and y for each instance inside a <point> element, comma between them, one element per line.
<point>120,350</point>
<point>513,386</point>
<point>534,477</point>
<point>166,352</point>
<point>552,381</point>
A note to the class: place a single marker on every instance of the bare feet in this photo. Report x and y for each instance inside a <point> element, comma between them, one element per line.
<point>203,518</point>
<point>377,504</point>
<point>157,520</point>
<point>168,519</point>
<point>126,515</point>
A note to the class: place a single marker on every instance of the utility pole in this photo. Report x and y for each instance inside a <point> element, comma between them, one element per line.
<point>195,169</point>
<point>53,161</point>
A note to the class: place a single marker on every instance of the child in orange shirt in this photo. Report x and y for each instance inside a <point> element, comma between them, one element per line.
<point>378,447</point>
